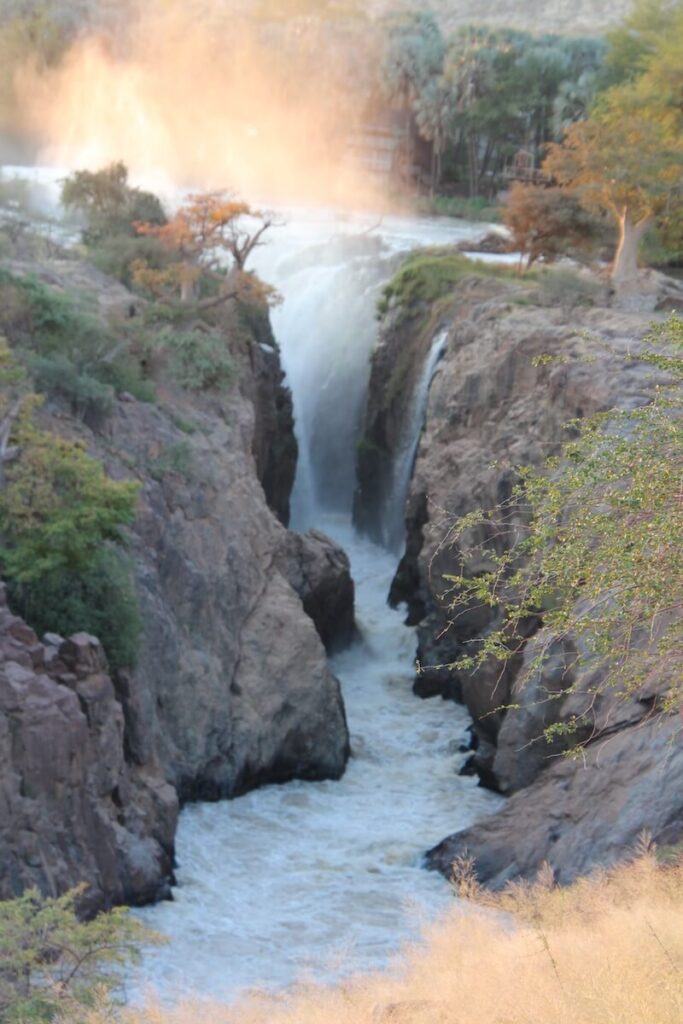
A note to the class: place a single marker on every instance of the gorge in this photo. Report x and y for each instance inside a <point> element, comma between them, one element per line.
<point>320,876</point>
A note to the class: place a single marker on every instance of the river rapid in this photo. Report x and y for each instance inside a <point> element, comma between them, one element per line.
<point>310,881</point>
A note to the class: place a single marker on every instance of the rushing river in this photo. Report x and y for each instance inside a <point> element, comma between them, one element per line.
<point>312,880</point>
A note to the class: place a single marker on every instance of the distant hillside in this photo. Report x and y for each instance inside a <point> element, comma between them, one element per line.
<point>571,16</point>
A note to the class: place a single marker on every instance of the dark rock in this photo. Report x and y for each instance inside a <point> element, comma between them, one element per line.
<point>71,810</point>
<point>320,573</point>
<point>580,815</point>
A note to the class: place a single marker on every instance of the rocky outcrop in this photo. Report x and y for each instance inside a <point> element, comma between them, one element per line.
<point>231,688</point>
<point>71,809</point>
<point>579,816</point>
<point>320,573</point>
<point>514,373</point>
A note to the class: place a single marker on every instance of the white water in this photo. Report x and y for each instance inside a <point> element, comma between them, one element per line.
<point>315,880</point>
<point>394,525</point>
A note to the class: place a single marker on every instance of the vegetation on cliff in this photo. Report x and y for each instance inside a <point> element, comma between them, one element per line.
<point>602,558</point>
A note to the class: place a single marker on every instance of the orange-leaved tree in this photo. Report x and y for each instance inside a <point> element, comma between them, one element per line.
<point>213,234</point>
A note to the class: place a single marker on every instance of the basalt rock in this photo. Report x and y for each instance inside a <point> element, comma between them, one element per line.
<point>71,809</point>
<point>320,573</point>
<point>231,688</point>
<point>496,404</point>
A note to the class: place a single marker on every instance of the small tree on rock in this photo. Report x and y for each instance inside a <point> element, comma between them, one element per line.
<point>548,222</point>
<point>209,227</point>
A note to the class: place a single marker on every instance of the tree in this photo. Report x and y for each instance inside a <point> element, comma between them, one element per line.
<point>110,205</point>
<point>626,160</point>
<point>54,963</point>
<point>206,229</point>
<point>602,559</point>
<point>548,222</point>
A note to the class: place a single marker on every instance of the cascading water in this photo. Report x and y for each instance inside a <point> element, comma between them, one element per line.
<point>394,523</point>
<point>315,880</point>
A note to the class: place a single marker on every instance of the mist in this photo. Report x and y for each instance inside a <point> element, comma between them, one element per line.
<point>217,102</point>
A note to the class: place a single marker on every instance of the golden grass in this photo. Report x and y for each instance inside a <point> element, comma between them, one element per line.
<point>608,950</point>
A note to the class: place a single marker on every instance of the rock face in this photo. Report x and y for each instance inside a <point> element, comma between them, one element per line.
<point>71,809</point>
<point>494,405</point>
<point>231,688</point>
<point>320,573</point>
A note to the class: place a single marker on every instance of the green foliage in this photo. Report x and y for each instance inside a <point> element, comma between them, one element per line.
<point>116,255</point>
<point>428,275</point>
<point>68,350</point>
<point>198,358</point>
<point>98,598</point>
<point>53,963</point>
<point>475,209</point>
<point>57,507</point>
<point>602,558</point>
<point>565,288</point>
<point>109,204</point>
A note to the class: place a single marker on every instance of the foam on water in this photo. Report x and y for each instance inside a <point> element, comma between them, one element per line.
<point>316,879</point>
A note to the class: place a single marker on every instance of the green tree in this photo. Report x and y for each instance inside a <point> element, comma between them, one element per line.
<point>53,963</point>
<point>110,205</point>
<point>603,555</point>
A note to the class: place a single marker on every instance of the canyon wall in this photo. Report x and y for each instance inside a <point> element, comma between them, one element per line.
<point>231,688</point>
<point>495,405</point>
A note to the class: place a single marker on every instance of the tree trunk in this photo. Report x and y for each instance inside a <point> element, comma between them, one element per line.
<point>625,269</point>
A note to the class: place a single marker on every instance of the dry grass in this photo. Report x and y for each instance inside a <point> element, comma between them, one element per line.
<point>608,950</point>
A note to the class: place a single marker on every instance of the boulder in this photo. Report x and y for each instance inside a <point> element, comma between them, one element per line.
<point>318,570</point>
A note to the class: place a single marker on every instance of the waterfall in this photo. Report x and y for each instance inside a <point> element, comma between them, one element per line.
<point>404,461</point>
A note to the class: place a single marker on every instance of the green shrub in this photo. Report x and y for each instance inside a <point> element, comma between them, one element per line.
<point>99,598</point>
<point>57,507</point>
<point>198,359</point>
<point>68,350</point>
<point>115,255</point>
<point>57,375</point>
<point>109,204</point>
<point>54,964</point>
<point>567,289</point>
<point>428,275</point>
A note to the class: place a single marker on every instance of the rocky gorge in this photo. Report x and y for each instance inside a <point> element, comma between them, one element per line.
<point>515,370</point>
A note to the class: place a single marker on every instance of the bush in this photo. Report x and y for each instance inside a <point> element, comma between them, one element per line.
<point>57,507</point>
<point>68,350</point>
<point>109,204</point>
<point>428,275</point>
<point>567,289</point>
<point>116,254</point>
<point>173,459</point>
<point>52,963</point>
<point>99,598</point>
<point>199,359</point>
